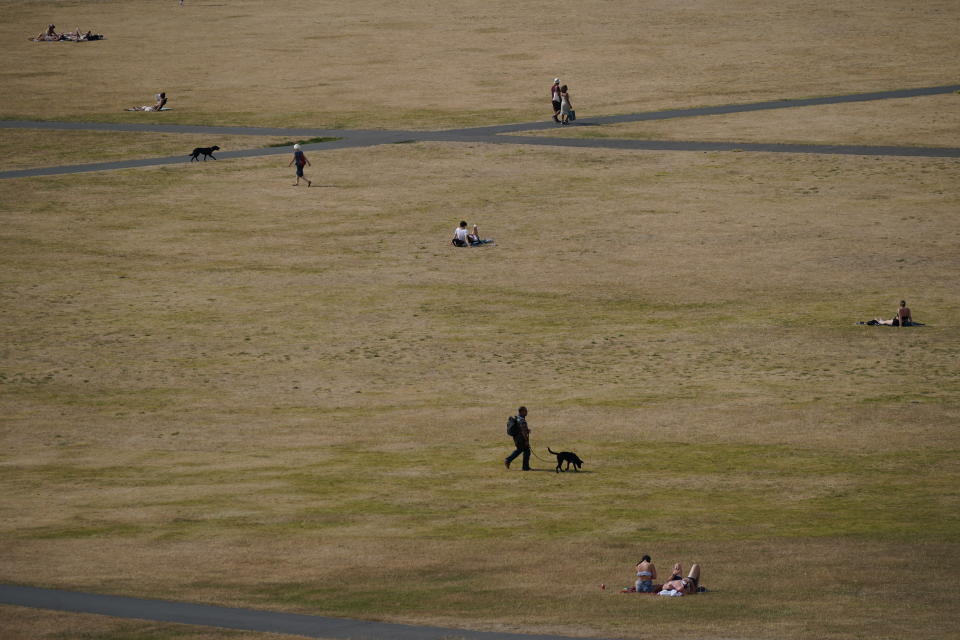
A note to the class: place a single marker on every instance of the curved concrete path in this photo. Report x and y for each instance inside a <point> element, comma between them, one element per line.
<point>239,619</point>
<point>496,134</point>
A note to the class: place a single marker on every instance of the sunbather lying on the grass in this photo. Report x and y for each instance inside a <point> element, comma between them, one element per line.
<point>80,36</point>
<point>682,586</point>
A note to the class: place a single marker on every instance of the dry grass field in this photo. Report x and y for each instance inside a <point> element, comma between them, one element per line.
<point>29,148</point>
<point>20,622</point>
<point>419,63</point>
<point>929,121</point>
<point>218,388</point>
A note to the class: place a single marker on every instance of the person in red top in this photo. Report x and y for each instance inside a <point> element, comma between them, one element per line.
<point>904,317</point>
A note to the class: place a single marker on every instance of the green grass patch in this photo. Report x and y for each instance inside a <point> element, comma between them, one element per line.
<point>290,143</point>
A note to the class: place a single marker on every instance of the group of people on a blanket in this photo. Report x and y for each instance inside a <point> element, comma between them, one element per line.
<point>51,35</point>
<point>677,585</point>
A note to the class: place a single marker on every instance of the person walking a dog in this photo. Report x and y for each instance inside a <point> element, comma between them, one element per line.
<point>301,160</point>
<point>518,430</point>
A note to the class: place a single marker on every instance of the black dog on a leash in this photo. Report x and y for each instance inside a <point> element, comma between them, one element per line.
<point>566,456</point>
<point>206,151</point>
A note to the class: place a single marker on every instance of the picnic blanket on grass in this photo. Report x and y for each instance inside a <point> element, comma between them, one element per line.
<point>70,38</point>
<point>875,323</point>
<point>657,588</point>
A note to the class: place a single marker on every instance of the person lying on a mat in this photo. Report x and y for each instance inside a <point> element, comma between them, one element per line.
<point>80,36</point>
<point>688,585</point>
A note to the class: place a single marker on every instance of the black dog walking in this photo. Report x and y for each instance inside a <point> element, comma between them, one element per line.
<point>205,151</point>
<point>518,430</point>
<point>569,457</point>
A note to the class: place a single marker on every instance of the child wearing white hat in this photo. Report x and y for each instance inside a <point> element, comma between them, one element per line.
<point>301,160</point>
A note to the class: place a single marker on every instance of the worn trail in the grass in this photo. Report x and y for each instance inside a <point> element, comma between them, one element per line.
<point>499,134</point>
<point>239,619</point>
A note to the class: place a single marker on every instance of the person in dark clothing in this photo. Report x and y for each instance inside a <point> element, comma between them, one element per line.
<point>301,160</point>
<point>517,429</point>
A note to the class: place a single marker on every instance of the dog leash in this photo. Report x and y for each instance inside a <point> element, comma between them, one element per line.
<point>538,457</point>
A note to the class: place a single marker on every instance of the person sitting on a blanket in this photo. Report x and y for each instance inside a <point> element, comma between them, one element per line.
<point>903,318</point>
<point>903,314</point>
<point>646,574</point>
<point>50,34</point>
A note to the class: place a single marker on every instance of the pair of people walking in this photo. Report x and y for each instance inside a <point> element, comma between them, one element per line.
<point>562,107</point>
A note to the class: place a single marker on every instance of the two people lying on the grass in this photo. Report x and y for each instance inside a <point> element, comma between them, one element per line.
<point>678,585</point>
<point>157,106</point>
<point>904,318</point>
<point>462,237</point>
<point>79,36</point>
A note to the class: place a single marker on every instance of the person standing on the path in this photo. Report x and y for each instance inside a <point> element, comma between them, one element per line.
<point>518,430</point>
<point>555,99</point>
<point>301,160</point>
<point>565,106</point>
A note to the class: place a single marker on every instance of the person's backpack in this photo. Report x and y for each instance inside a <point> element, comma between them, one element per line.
<point>513,427</point>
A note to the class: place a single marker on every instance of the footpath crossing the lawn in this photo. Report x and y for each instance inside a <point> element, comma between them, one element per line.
<point>499,134</point>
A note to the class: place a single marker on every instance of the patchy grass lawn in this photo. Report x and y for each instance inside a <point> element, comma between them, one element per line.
<point>30,148</point>
<point>929,121</point>
<point>369,64</point>
<point>34,624</point>
<point>222,388</point>
<point>216,387</point>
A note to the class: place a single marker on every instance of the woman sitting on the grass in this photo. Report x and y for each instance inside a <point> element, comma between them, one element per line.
<point>50,34</point>
<point>682,586</point>
<point>646,574</point>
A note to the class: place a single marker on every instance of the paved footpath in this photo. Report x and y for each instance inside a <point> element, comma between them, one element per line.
<point>499,134</point>
<point>240,619</point>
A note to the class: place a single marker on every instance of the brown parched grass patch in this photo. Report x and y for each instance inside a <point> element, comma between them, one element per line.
<point>217,387</point>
